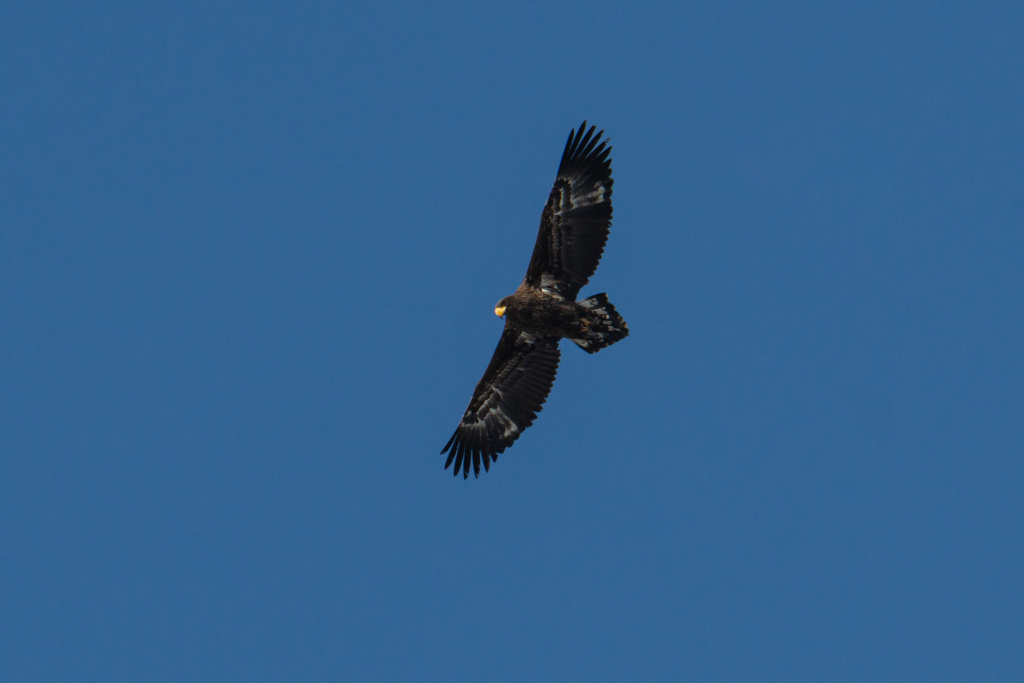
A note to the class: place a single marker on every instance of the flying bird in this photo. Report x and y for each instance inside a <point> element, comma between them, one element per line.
<point>573,231</point>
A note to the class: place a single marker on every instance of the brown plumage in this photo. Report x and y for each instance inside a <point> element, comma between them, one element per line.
<point>573,231</point>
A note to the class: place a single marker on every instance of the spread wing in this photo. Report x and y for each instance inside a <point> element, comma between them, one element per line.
<point>506,401</point>
<point>575,222</point>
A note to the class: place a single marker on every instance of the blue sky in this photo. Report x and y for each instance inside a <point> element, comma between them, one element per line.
<point>249,254</point>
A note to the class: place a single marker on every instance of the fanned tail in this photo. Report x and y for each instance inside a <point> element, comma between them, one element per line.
<point>604,324</point>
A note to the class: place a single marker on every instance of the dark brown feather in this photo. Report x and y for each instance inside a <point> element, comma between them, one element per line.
<point>575,222</point>
<point>506,400</point>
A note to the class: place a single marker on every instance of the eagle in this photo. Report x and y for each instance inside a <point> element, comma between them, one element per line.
<point>573,231</point>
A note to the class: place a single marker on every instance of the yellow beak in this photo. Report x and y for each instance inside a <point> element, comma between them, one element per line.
<point>499,311</point>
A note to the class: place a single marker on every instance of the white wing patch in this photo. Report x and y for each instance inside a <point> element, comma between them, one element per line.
<point>548,283</point>
<point>597,196</point>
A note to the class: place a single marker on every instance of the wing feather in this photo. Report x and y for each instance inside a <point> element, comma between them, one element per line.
<point>575,222</point>
<point>506,400</point>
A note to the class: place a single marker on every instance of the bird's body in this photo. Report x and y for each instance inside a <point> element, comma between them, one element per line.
<point>543,309</point>
<point>541,313</point>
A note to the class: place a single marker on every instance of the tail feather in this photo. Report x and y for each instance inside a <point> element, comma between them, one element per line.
<point>604,324</point>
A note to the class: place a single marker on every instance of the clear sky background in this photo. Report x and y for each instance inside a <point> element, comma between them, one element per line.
<point>249,254</point>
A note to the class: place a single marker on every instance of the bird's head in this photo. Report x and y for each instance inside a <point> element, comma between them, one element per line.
<point>499,308</point>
